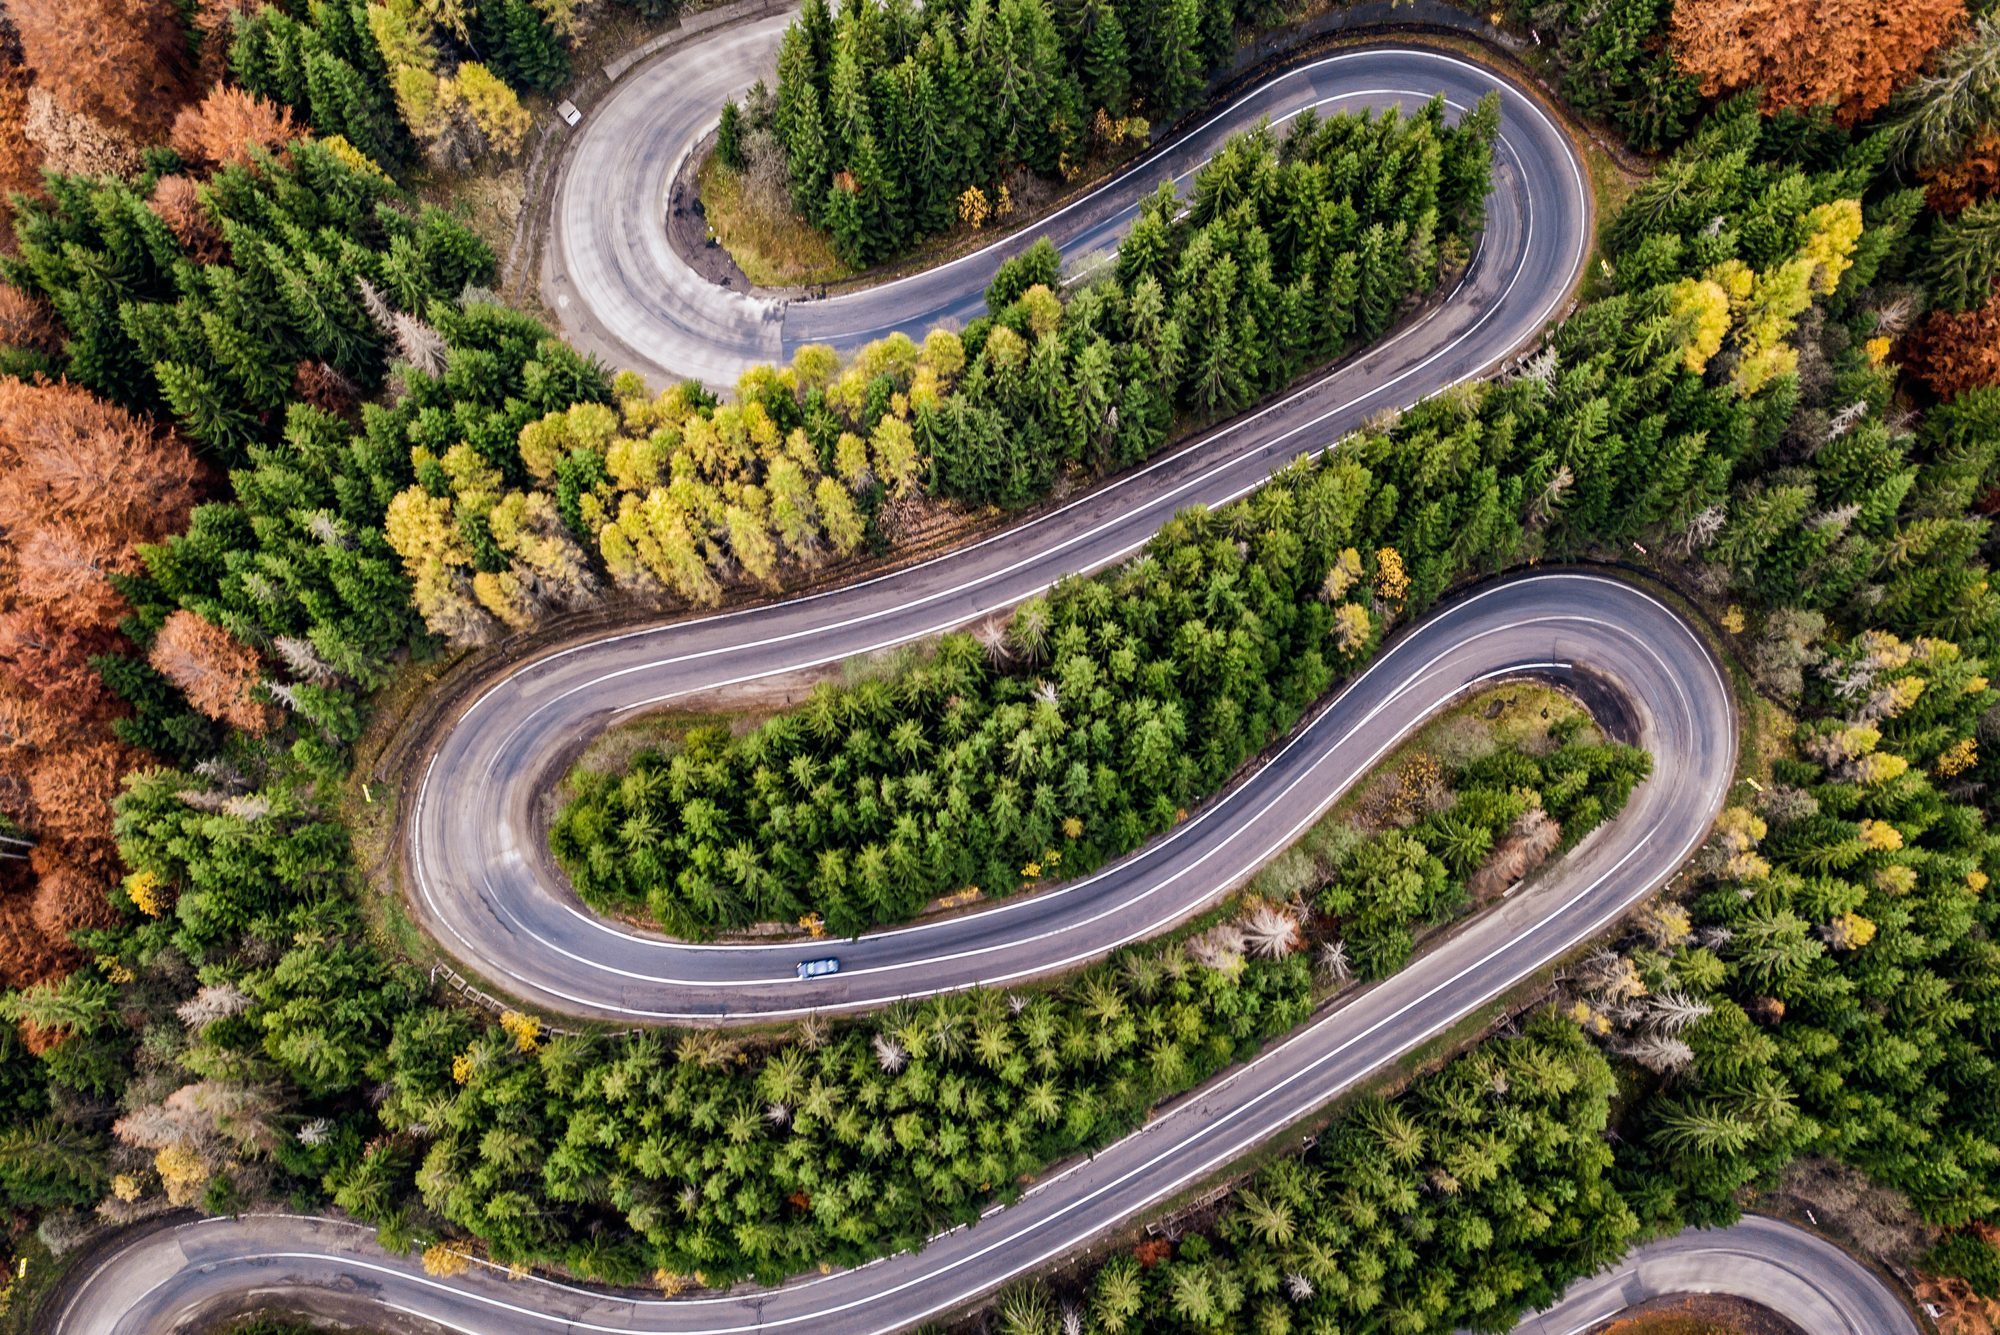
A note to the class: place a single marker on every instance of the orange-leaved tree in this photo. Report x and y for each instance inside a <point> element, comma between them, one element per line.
<point>228,124</point>
<point>82,484</point>
<point>1953,351</point>
<point>123,63</point>
<point>1852,54</point>
<point>217,673</point>
<point>20,159</point>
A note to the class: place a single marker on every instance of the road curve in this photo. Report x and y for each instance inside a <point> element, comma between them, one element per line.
<point>477,874</point>
<point>526,933</point>
<point>623,292</point>
<point>475,859</point>
<point>185,1277</point>
<point>1800,1275</point>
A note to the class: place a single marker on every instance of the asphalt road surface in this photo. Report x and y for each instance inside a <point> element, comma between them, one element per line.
<point>481,886</point>
<point>623,293</point>
<point>181,1278</point>
<point>475,854</point>
<point>1801,1276</point>
<point>480,882</point>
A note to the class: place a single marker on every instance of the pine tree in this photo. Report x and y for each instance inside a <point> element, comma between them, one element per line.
<point>729,136</point>
<point>1027,85</point>
<point>845,216</point>
<point>1040,265</point>
<point>1466,169</point>
<point>806,156</point>
<point>209,412</point>
<point>849,113</point>
<point>1105,64</point>
<point>930,178</point>
<point>1942,114</point>
<point>524,50</point>
<point>1180,76</point>
<point>1964,261</point>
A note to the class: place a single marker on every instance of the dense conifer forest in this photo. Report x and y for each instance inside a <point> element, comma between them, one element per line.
<point>267,439</point>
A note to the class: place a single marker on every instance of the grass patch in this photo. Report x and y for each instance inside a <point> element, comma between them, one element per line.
<point>1611,183</point>
<point>30,1281</point>
<point>613,750</point>
<point>772,245</point>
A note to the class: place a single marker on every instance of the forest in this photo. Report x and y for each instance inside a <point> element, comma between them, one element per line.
<point>265,440</point>
<point>1106,708</point>
<point>895,123</point>
<point>1826,988</point>
<point>1091,722</point>
<point>680,497</point>
<point>410,84</point>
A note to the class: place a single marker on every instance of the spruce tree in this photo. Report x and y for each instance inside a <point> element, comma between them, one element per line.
<point>1467,166</point>
<point>932,198</point>
<point>524,49</point>
<point>844,215</point>
<point>208,411</point>
<point>729,136</point>
<point>806,155</point>
<point>1964,263</point>
<point>1180,76</point>
<point>1107,78</point>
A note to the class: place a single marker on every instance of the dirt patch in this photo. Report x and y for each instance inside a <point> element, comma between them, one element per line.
<point>1956,1309</point>
<point>1845,1205</point>
<point>1519,716</point>
<point>689,229</point>
<point>1874,1223</point>
<point>1701,1314</point>
<point>760,239</point>
<point>740,225</point>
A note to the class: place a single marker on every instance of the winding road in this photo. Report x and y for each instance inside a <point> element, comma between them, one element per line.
<point>483,889</point>
<point>184,1277</point>
<point>481,883</point>
<point>624,293</point>
<point>476,860</point>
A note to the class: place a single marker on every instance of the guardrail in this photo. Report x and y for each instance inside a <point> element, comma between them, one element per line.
<point>478,995</point>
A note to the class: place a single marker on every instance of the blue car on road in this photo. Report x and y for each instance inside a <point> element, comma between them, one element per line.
<point>818,968</point>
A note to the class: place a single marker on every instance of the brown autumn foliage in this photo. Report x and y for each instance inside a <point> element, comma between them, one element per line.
<point>122,63</point>
<point>27,954</point>
<point>81,484</point>
<point>1974,177</point>
<point>1851,53</point>
<point>228,124</point>
<point>75,144</point>
<point>20,159</point>
<point>217,673</point>
<point>176,200</point>
<point>26,321</point>
<point>215,20</point>
<point>1533,838</point>
<point>323,387</point>
<point>1953,351</point>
